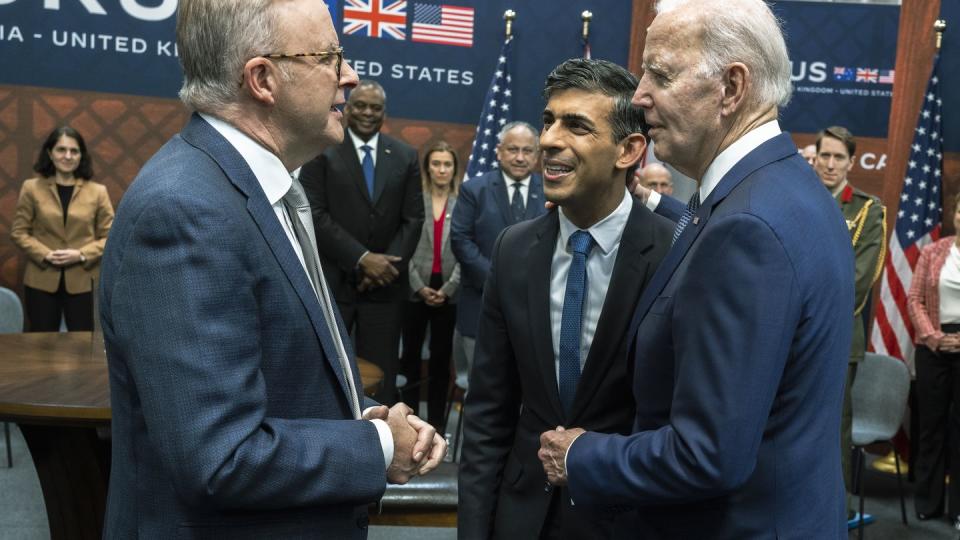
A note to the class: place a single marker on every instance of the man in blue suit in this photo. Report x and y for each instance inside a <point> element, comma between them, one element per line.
<point>238,410</point>
<point>488,204</point>
<point>744,331</point>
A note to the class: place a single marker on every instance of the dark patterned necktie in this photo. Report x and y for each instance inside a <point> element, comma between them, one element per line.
<point>516,204</point>
<point>367,166</point>
<point>692,208</point>
<point>571,320</point>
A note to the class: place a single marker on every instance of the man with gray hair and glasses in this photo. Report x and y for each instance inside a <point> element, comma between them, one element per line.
<point>744,332</point>
<point>238,409</point>
<point>487,204</point>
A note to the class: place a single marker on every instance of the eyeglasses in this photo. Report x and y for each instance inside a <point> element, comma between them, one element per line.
<point>338,52</point>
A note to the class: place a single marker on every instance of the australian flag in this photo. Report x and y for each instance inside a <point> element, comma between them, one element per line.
<point>843,73</point>
<point>495,114</point>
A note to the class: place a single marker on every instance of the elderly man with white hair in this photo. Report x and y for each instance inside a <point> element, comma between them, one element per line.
<point>743,334</point>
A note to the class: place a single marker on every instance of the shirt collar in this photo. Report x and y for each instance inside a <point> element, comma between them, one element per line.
<point>358,142</point>
<point>606,232</point>
<point>722,164</point>
<point>273,177</point>
<point>510,181</point>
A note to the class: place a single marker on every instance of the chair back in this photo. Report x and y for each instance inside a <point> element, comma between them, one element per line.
<point>11,312</point>
<point>878,398</point>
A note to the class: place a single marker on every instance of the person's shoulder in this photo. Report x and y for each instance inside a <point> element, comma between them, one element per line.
<point>395,143</point>
<point>31,183</point>
<point>861,197</point>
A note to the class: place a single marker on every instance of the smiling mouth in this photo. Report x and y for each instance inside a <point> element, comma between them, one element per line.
<point>556,171</point>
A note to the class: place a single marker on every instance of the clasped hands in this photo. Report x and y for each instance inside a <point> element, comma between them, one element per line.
<point>432,297</point>
<point>377,270</point>
<point>417,447</point>
<point>949,343</point>
<point>63,257</point>
<point>553,452</point>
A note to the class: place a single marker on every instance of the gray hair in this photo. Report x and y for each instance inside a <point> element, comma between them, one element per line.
<point>605,78</point>
<point>215,38</point>
<point>746,32</point>
<point>519,124</point>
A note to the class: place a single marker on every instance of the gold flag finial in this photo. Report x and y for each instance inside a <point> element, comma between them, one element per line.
<point>940,26</point>
<point>509,15</point>
<point>586,17</point>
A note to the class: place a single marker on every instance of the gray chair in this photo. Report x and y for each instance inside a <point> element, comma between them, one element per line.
<point>879,400</point>
<point>11,321</point>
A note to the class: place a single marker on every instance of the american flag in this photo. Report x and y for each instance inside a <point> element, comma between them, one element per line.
<point>446,25</point>
<point>918,224</point>
<point>376,18</point>
<point>867,75</point>
<point>886,76</point>
<point>495,114</point>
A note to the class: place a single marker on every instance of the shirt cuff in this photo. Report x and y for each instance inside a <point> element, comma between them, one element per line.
<point>653,200</point>
<point>565,456</point>
<point>386,441</point>
<point>357,266</point>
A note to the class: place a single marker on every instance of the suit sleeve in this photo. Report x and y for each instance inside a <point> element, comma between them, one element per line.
<point>333,241</point>
<point>102,221</point>
<point>492,410</point>
<point>730,350</point>
<point>868,255</point>
<point>916,301</point>
<point>416,281</point>
<point>670,208</point>
<point>474,266</point>
<point>411,214</point>
<point>21,231</point>
<point>186,317</point>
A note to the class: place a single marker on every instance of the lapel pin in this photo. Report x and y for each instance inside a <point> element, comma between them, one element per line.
<point>533,195</point>
<point>386,150</point>
<point>696,219</point>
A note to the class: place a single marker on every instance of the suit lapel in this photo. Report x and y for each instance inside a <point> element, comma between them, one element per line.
<point>447,216</point>
<point>772,150</point>
<point>535,198</point>
<point>630,272</point>
<point>499,189</point>
<point>382,168</point>
<point>348,156</point>
<point>540,259</point>
<point>203,136</point>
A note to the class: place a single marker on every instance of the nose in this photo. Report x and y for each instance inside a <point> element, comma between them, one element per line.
<point>641,97</point>
<point>549,141</point>
<point>348,76</point>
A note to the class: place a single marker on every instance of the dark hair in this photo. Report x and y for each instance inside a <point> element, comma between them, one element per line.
<point>44,165</point>
<point>440,146</point>
<point>840,133</point>
<point>608,79</point>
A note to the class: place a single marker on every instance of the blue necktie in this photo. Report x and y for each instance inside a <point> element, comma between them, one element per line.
<point>516,203</point>
<point>571,321</point>
<point>368,168</point>
<point>692,208</point>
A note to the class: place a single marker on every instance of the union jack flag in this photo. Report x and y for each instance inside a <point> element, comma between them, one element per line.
<point>376,18</point>
<point>867,75</point>
<point>918,224</point>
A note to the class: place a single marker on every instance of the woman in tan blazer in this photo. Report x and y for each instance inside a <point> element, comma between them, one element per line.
<point>434,278</point>
<point>61,223</point>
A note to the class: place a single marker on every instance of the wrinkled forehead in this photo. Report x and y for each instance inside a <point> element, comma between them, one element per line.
<point>674,34</point>
<point>306,25</point>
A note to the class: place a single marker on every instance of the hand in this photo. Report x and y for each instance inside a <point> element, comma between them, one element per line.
<point>950,343</point>
<point>64,257</point>
<point>438,446</point>
<point>637,188</point>
<point>438,299</point>
<point>553,452</point>
<point>379,268</point>
<point>365,284</point>
<point>406,444</point>
<point>380,412</point>
<point>427,294</point>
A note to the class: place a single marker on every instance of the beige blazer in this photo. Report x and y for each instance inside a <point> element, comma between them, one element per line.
<point>422,261</point>
<point>38,229</point>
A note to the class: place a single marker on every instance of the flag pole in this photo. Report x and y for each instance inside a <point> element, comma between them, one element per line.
<point>940,27</point>
<point>509,15</point>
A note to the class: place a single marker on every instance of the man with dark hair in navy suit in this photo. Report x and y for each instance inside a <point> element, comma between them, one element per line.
<point>238,410</point>
<point>488,204</point>
<point>744,332</point>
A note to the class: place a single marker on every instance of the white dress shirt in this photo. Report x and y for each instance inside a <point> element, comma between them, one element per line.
<point>275,181</point>
<point>372,143</point>
<point>606,234</point>
<point>949,288</point>
<point>722,164</point>
<point>524,188</point>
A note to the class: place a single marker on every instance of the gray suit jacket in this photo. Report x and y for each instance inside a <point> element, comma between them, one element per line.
<point>230,410</point>
<point>421,263</point>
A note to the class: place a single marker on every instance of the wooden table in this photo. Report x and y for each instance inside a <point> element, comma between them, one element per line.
<point>56,387</point>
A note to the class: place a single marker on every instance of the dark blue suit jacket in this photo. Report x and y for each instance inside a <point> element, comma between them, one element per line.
<point>230,411</point>
<point>482,212</point>
<point>740,358</point>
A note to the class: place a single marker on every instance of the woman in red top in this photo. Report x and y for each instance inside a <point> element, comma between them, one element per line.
<point>434,279</point>
<point>934,305</point>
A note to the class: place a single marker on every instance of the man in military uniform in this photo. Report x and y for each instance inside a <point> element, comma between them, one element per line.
<point>866,219</point>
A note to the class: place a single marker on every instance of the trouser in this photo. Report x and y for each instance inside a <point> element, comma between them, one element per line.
<point>846,438</point>
<point>938,389</point>
<point>44,309</point>
<point>375,328</point>
<point>417,315</point>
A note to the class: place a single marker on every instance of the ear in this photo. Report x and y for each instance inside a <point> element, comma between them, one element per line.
<point>735,82</point>
<point>631,149</point>
<point>261,80</point>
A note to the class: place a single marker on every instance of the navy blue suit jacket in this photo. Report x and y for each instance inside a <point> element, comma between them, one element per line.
<point>740,358</point>
<point>482,212</point>
<point>230,412</point>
